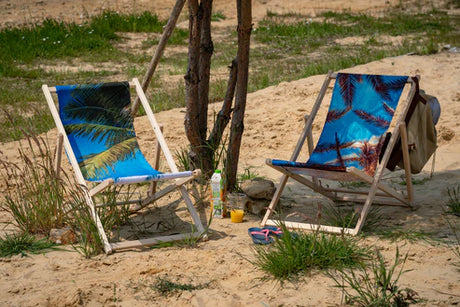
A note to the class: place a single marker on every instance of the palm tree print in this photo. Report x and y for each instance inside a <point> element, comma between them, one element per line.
<point>360,112</point>
<point>99,117</point>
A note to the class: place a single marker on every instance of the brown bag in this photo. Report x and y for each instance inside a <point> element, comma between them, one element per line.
<point>421,132</point>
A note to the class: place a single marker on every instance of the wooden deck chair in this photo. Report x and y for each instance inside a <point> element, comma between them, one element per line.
<point>95,126</point>
<point>350,145</point>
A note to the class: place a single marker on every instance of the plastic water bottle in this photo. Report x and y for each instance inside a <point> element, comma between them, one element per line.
<point>217,191</point>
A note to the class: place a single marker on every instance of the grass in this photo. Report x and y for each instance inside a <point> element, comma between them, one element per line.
<point>248,174</point>
<point>455,247</point>
<point>35,197</point>
<point>415,181</point>
<point>23,244</point>
<point>286,47</point>
<point>347,217</point>
<point>375,284</point>
<point>217,16</point>
<point>38,200</point>
<point>407,235</point>
<point>453,205</point>
<point>293,254</point>
<point>165,286</point>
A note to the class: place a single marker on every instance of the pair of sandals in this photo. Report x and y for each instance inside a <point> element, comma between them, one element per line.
<point>264,235</point>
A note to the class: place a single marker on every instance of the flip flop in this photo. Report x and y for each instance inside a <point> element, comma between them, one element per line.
<point>273,230</point>
<point>260,235</point>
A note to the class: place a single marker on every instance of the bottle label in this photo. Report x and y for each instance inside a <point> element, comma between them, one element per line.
<point>217,204</point>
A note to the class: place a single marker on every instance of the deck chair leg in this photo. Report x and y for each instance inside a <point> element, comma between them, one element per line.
<point>58,156</point>
<point>275,199</point>
<point>156,164</point>
<point>97,220</point>
<point>191,209</point>
<point>366,207</point>
<point>310,146</point>
<point>407,170</point>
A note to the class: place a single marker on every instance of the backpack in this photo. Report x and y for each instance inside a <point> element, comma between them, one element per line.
<point>421,118</point>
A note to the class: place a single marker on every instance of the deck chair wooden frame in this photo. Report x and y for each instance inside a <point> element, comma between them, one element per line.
<point>152,195</point>
<point>378,192</point>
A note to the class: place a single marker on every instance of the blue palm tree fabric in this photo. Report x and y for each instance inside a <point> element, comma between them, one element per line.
<point>361,109</point>
<point>99,125</point>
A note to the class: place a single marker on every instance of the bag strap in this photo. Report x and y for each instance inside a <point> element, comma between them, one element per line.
<point>415,100</point>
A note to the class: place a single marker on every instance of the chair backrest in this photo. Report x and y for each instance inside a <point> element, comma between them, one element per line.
<point>99,125</point>
<point>361,110</point>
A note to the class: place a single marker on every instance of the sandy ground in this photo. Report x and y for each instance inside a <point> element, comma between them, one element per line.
<point>274,119</point>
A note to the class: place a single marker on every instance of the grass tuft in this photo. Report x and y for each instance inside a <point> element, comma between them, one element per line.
<point>35,195</point>
<point>347,217</point>
<point>455,247</point>
<point>407,235</point>
<point>415,181</point>
<point>453,205</point>
<point>295,253</point>
<point>22,244</point>
<point>375,284</point>
<point>166,287</point>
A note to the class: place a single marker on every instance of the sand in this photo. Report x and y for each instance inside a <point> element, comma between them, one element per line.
<point>274,119</point>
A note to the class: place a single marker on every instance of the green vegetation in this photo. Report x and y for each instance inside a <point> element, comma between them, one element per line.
<point>110,21</point>
<point>348,217</point>
<point>453,206</point>
<point>166,287</point>
<point>455,246</point>
<point>38,199</point>
<point>415,181</point>
<point>295,253</point>
<point>217,16</point>
<point>407,235</point>
<point>306,47</point>
<point>22,244</point>
<point>285,47</point>
<point>375,284</point>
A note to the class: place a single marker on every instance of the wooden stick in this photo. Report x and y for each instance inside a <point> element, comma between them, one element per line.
<point>313,227</point>
<point>153,241</point>
<point>168,29</point>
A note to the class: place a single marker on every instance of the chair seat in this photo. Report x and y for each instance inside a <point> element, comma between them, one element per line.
<point>146,178</point>
<point>302,168</point>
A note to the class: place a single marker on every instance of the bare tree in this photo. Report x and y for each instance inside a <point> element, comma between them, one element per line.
<point>197,79</point>
<point>244,12</point>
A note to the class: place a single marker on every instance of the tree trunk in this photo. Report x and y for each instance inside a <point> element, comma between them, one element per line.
<point>244,12</point>
<point>192,117</point>
<point>223,117</point>
<point>204,67</point>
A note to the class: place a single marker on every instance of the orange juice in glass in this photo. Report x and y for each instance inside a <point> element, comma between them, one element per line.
<point>236,203</point>
<point>236,215</point>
